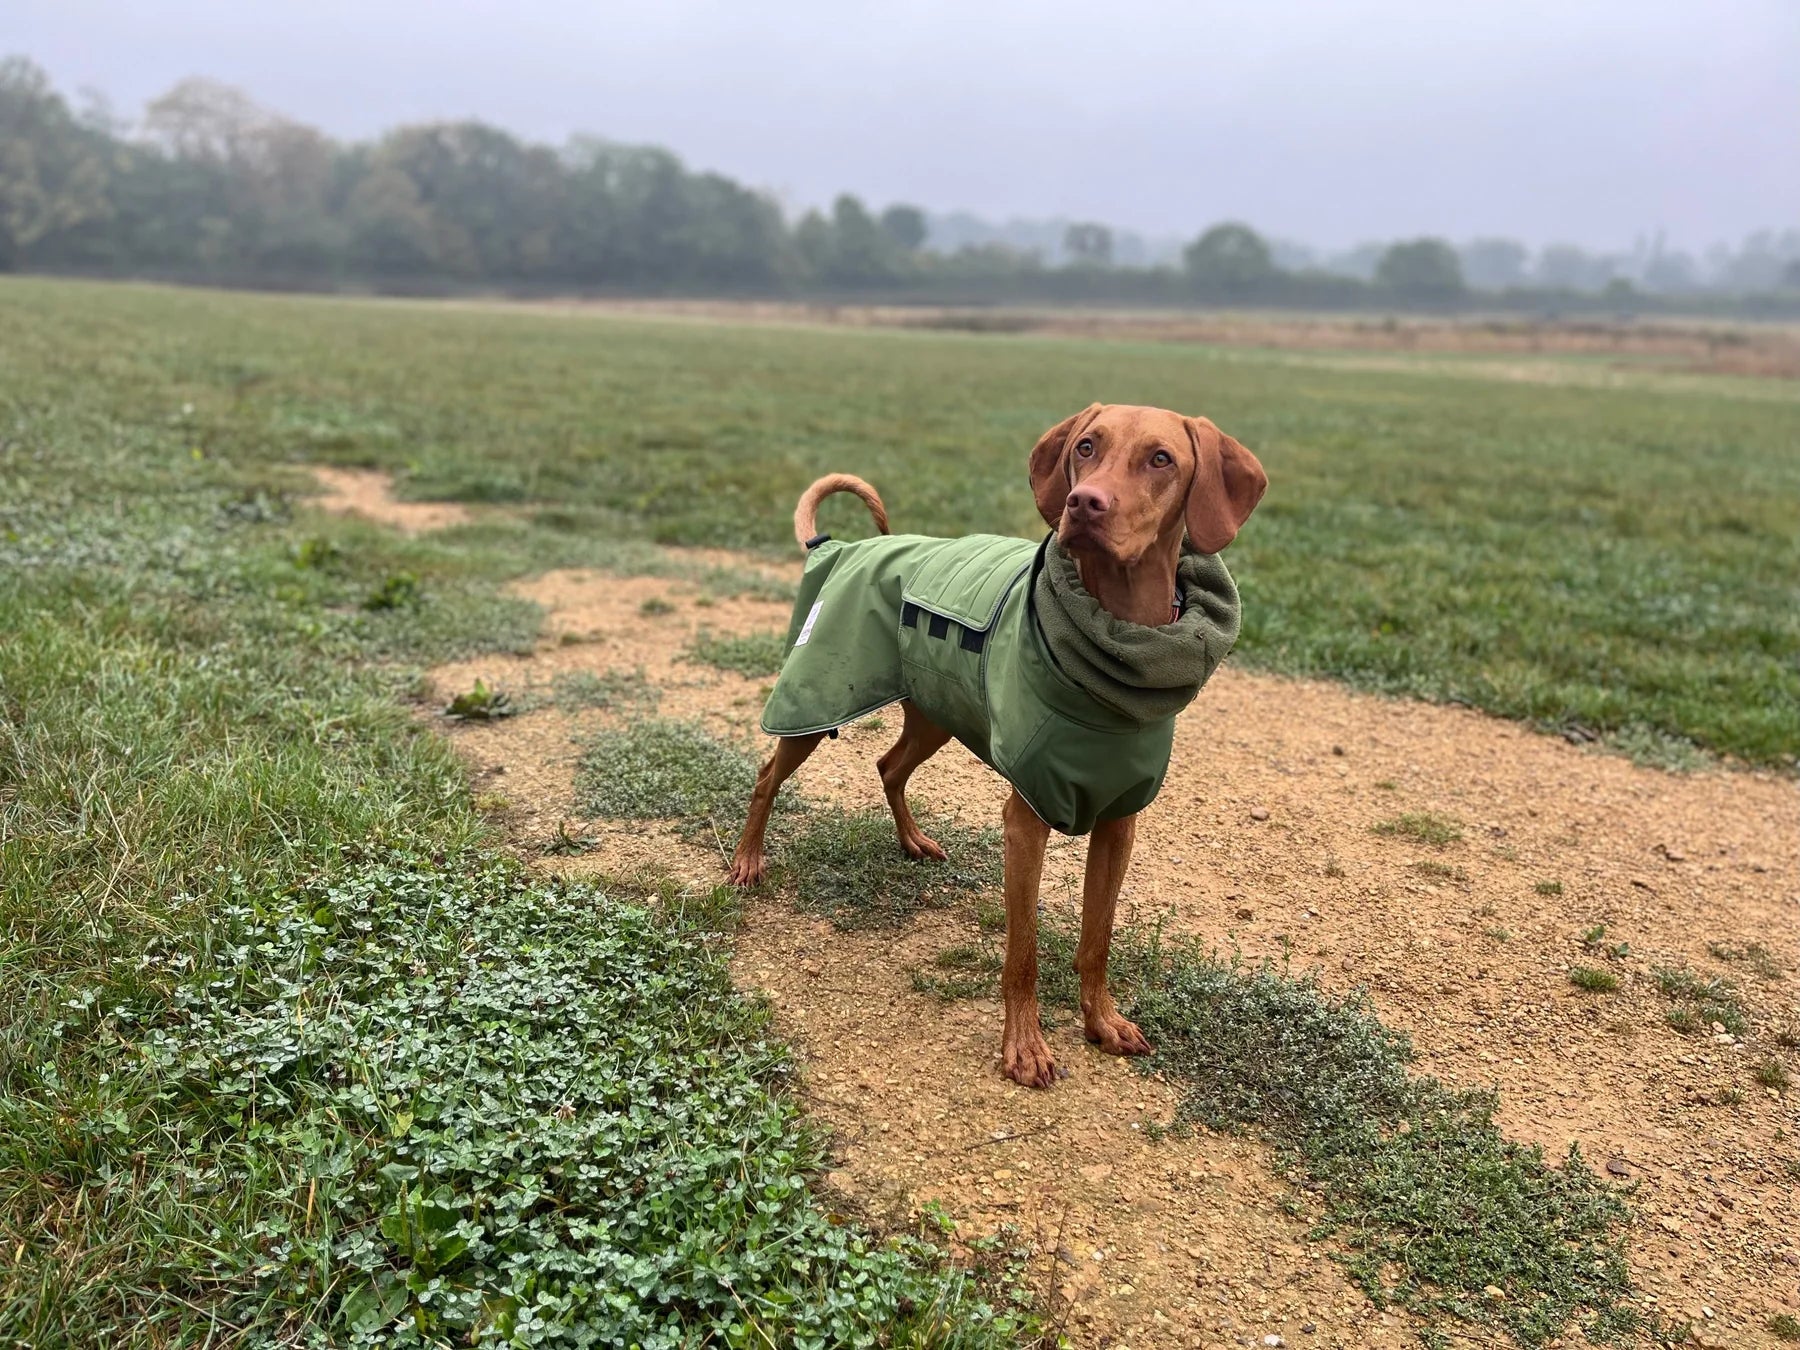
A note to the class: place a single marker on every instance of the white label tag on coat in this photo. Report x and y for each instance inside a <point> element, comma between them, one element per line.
<point>812,617</point>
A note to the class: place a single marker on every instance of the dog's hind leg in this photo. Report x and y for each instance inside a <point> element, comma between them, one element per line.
<point>920,739</point>
<point>749,863</point>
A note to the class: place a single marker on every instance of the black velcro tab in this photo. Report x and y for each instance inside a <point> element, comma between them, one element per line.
<point>940,626</point>
<point>815,541</point>
<point>973,639</point>
<point>909,615</point>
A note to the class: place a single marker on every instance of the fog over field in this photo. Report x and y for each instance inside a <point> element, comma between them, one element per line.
<point>1598,124</point>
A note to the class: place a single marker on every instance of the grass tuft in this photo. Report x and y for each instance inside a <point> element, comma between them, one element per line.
<point>1594,980</point>
<point>1701,1003</point>
<point>1423,827</point>
<point>399,591</point>
<point>968,971</point>
<point>752,655</point>
<point>1656,748</point>
<point>663,770</point>
<point>1755,955</point>
<point>624,690</point>
<point>1679,982</point>
<point>1772,1073</point>
<point>848,866</point>
<point>1428,867</point>
<point>1684,1019</point>
<point>1784,1326</point>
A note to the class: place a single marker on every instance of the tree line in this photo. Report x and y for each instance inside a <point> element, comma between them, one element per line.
<point>211,186</point>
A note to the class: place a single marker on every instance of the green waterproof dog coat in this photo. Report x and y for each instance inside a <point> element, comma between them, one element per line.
<point>950,624</point>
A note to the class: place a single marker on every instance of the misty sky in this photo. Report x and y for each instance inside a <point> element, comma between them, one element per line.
<point>1586,121</point>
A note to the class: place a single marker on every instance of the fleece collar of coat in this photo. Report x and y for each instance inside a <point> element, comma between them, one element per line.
<point>1143,673</point>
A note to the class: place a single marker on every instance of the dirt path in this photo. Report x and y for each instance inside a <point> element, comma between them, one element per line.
<point>1264,840</point>
<point>370,493</point>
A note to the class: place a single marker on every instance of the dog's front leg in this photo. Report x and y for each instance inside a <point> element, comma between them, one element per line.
<point>1024,1053</point>
<point>1109,854</point>
<point>749,864</point>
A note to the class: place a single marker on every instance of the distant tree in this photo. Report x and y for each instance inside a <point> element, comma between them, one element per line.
<point>1620,294</point>
<point>590,237</point>
<point>1790,275</point>
<point>1494,264</point>
<point>291,185</point>
<point>1570,268</point>
<point>1421,269</point>
<point>204,119</point>
<point>1359,262</point>
<point>734,237</point>
<point>1671,272</point>
<point>813,242</point>
<point>904,226</point>
<point>994,259</point>
<point>641,207</point>
<point>53,171</point>
<point>1230,259</point>
<point>1288,256</point>
<point>1759,263</point>
<point>1089,243</point>
<point>493,200</point>
<point>246,188</point>
<point>859,251</point>
<point>390,229</point>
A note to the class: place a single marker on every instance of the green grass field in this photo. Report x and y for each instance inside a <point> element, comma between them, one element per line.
<point>289,1051</point>
<point>1621,559</point>
<point>221,836</point>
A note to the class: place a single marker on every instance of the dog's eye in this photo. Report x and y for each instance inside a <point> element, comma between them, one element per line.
<point>1161,459</point>
<point>1084,447</point>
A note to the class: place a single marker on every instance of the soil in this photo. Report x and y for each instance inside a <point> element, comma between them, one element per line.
<point>1263,841</point>
<point>370,493</point>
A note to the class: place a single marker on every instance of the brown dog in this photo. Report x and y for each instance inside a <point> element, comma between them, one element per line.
<point>1121,486</point>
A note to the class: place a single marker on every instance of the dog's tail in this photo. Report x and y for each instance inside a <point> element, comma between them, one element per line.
<point>806,514</point>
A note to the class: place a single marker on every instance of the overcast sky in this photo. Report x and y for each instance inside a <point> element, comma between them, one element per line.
<point>1325,121</point>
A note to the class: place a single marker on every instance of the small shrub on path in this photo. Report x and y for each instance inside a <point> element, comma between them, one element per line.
<point>1423,827</point>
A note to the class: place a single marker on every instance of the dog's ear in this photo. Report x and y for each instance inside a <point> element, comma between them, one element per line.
<point>1228,483</point>
<point>1050,465</point>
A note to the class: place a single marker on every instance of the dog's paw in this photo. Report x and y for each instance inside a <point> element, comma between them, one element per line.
<point>1117,1036</point>
<point>746,872</point>
<point>1026,1059</point>
<point>922,846</point>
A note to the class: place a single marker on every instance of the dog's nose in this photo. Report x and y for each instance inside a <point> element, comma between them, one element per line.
<point>1088,501</point>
